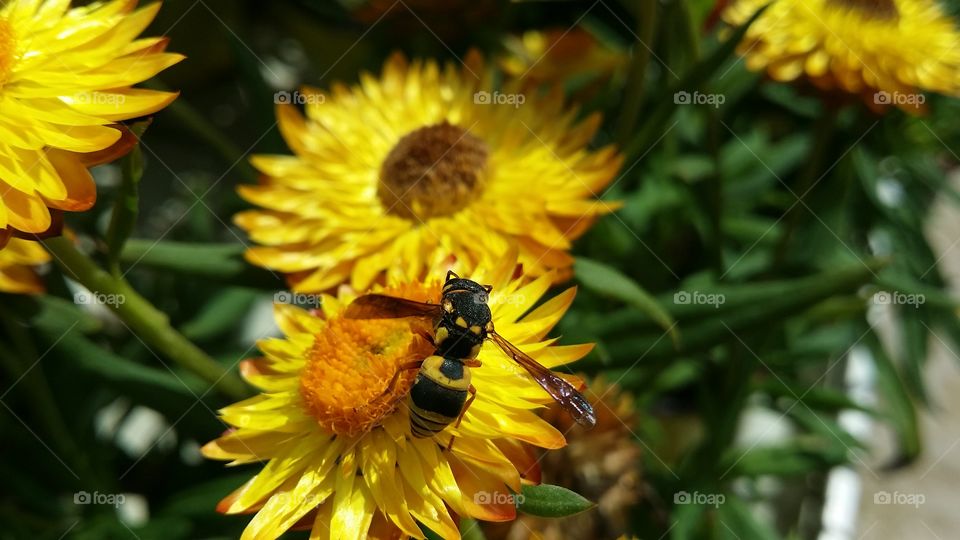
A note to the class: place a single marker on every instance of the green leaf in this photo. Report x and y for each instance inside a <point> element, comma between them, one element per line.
<point>796,458</point>
<point>223,263</point>
<point>897,405</point>
<point>752,312</point>
<point>551,501</point>
<point>220,314</point>
<point>608,281</point>
<point>824,399</point>
<point>736,521</point>
<point>121,372</point>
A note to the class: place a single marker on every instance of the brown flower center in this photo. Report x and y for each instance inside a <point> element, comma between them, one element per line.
<point>432,171</point>
<point>874,9</point>
<point>7,49</point>
<point>345,383</point>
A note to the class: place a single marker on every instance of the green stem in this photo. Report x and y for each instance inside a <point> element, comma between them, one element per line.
<point>646,26</point>
<point>144,320</point>
<point>822,133</point>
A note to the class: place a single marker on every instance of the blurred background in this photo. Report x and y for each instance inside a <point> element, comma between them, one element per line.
<point>758,387</point>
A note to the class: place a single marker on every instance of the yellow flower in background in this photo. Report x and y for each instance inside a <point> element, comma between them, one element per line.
<point>65,77</point>
<point>887,51</point>
<point>558,56</point>
<point>17,260</point>
<point>421,166</point>
<point>337,443</point>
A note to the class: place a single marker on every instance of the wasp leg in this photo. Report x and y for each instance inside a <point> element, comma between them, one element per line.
<point>471,362</point>
<point>427,336</point>
<point>396,376</point>
<point>473,396</point>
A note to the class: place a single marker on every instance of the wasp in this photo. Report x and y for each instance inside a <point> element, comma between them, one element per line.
<point>462,322</point>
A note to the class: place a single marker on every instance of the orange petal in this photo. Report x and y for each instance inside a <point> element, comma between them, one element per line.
<point>81,189</point>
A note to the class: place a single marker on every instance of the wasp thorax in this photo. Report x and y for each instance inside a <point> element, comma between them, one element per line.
<point>432,171</point>
<point>875,9</point>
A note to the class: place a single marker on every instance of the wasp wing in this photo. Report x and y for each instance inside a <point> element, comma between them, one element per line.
<point>560,390</point>
<point>381,306</point>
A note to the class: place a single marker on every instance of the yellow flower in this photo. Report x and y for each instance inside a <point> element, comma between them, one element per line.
<point>421,166</point>
<point>17,260</point>
<point>558,55</point>
<point>65,77</point>
<point>337,441</point>
<point>887,51</point>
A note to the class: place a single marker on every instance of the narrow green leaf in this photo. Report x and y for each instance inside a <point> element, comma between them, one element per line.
<point>608,281</point>
<point>823,399</point>
<point>897,404</point>
<point>736,521</point>
<point>221,262</point>
<point>795,458</point>
<point>124,374</point>
<point>220,314</point>
<point>794,296</point>
<point>551,501</point>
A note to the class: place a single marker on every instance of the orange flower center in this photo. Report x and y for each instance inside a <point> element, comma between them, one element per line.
<point>7,49</point>
<point>874,9</point>
<point>432,171</point>
<point>346,382</point>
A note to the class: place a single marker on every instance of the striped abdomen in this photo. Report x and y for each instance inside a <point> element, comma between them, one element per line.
<point>438,395</point>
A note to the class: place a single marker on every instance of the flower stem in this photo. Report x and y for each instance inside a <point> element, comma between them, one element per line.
<point>142,318</point>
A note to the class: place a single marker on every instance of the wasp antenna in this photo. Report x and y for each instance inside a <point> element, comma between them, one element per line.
<point>451,275</point>
<point>488,288</point>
